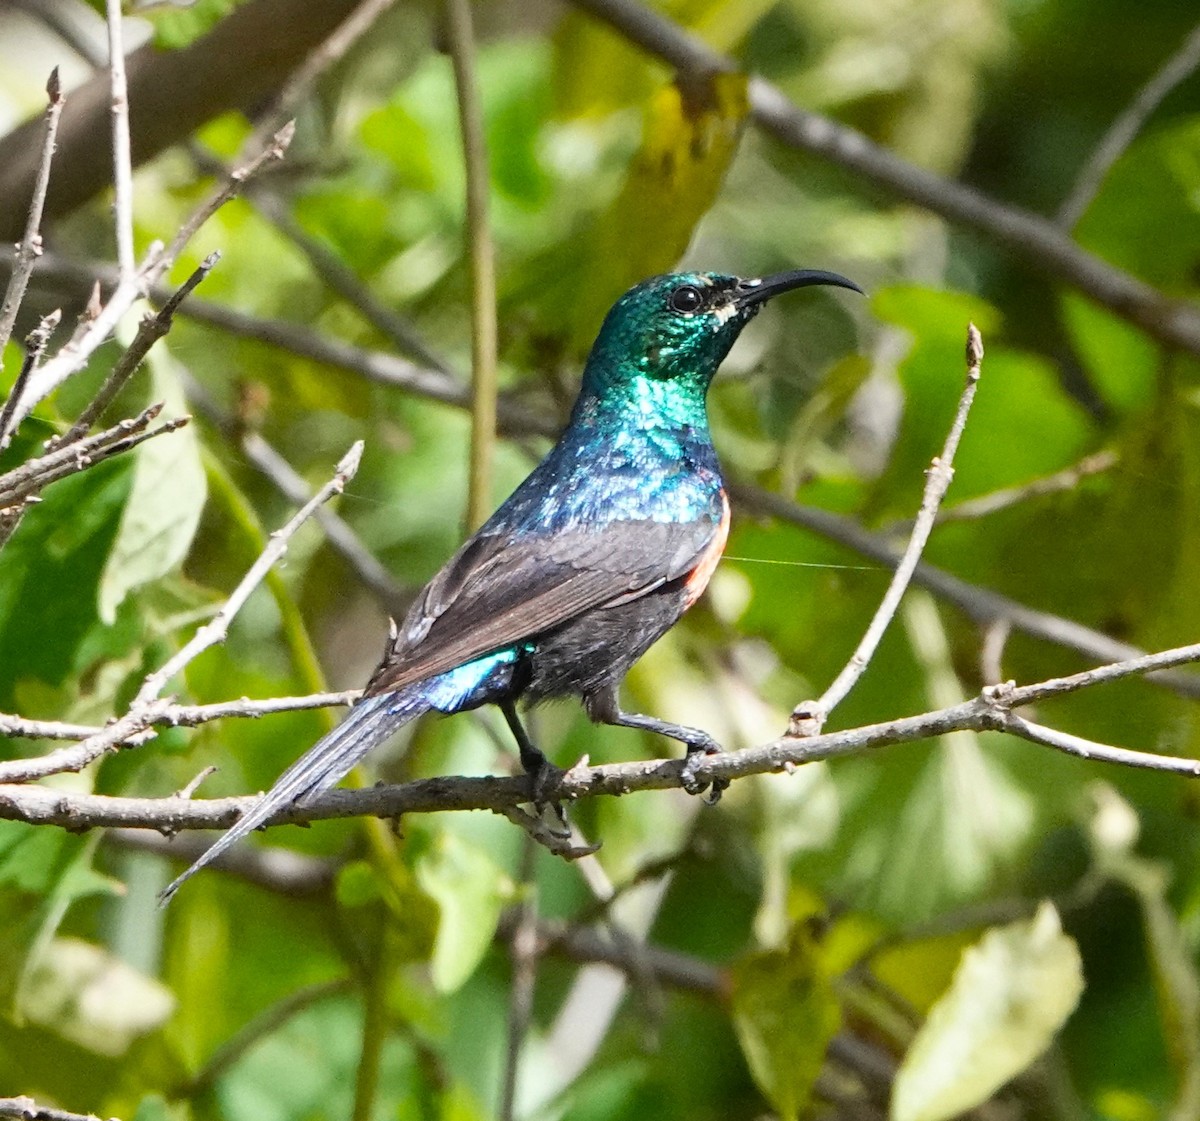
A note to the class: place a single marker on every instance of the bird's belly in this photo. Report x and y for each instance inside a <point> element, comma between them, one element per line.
<point>595,651</point>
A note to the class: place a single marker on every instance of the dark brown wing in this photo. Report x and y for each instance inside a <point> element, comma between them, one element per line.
<point>500,589</point>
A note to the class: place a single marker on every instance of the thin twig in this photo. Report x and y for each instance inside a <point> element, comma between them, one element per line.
<point>151,329</point>
<point>1027,235</point>
<point>35,475</point>
<point>35,347</point>
<point>810,716</point>
<point>147,708</point>
<point>1128,124</point>
<point>483,264</point>
<point>256,1030</point>
<point>73,357</point>
<point>30,246</point>
<point>122,159</point>
<point>271,151</point>
<point>972,509</point>
<point>172,716</point>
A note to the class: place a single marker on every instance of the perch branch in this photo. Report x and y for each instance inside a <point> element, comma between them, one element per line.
<point>991,710</point>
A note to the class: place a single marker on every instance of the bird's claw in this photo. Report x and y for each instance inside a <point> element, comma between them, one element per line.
<point>543,779</point>
<point>688,779</point>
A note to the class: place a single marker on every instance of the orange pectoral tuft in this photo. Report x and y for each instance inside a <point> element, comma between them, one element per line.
<point>697,580</point>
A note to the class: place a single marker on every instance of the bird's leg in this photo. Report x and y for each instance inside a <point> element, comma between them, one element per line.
<point>540,770</point>
<point>604,709</point>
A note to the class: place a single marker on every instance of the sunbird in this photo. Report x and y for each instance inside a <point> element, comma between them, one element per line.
<point>591,560</point>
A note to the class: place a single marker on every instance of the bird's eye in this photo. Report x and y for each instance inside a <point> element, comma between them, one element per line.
<point>686,298</point>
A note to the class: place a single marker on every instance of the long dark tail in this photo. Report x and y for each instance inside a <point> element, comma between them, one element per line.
<point>368,724</point>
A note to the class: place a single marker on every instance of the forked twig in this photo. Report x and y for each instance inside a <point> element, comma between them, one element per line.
<point>809,717</point>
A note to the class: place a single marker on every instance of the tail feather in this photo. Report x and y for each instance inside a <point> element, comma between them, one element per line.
<point>368,724</point>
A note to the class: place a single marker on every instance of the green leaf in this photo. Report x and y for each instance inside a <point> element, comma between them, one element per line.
<point>42,873</point>
<point>87,995</point>
<point>49,572</point>
<point>163,511</point>
<point>1010,995</point>
<point>785,1013</point>
<point>470,890</point>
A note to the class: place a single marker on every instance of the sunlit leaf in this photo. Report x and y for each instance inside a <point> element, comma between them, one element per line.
<point>87,995</point>
<point>470,891</point>
<point>1009,997</point>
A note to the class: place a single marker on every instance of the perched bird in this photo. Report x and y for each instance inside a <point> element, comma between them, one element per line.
<point>591,560</point>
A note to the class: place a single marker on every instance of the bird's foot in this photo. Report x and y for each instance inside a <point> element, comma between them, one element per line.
<point>544,776</point>
<point>696,751</point>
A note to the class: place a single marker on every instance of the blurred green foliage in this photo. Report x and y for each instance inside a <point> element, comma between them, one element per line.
<point>838,899</point>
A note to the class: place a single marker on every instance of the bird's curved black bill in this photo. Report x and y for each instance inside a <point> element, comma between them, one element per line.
<point>752,292</point>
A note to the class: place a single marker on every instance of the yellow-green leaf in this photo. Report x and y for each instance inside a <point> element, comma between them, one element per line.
<point>1011,993</point>
<point>690,136</point>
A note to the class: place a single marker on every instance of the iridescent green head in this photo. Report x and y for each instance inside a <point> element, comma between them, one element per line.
<point>676,329</point>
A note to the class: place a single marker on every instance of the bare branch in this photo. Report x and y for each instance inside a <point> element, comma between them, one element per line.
<point>35,347</point>
<point>152,328</point>
<point>1122,131</point>
<point>36,474</point>
<point>172,716</point>
<point>809,716</point>
<point>1035,239</point>
<point>991,710</point>
<point>122,159</point>
<point>30,247</point>
<point>73,357</point>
